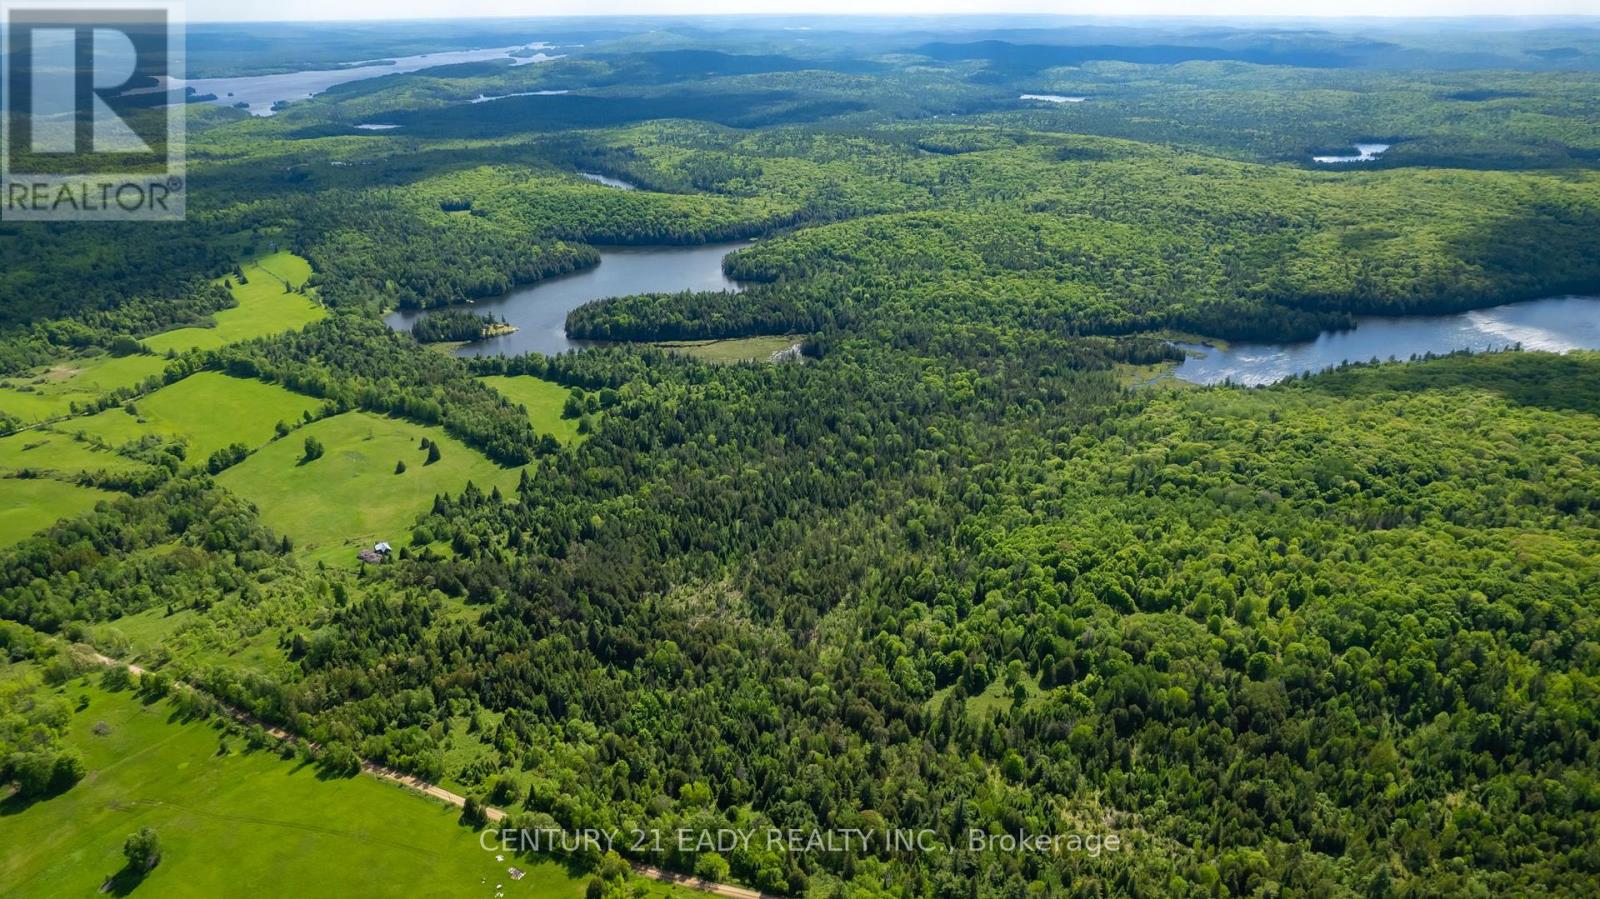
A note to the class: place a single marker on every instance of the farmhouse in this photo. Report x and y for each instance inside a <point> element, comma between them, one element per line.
<point>377,554</point>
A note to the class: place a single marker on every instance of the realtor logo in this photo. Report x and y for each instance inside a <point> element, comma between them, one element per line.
<point>91,127</point>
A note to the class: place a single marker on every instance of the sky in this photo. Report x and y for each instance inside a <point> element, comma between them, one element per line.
<point>309,10</point>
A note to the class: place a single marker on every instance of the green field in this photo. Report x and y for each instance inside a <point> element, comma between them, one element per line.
<point>57,455</point>
<point>208,410</point>
<point>542,399</point>
<point>241,823</point>
<point>50,392</point>
<point>351,497</point>
<point>264,307</point>
<point>31,505</point>
<point>738,349</point>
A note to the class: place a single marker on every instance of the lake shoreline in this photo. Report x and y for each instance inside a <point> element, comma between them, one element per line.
<point>537,310</point>
<point>1560,323</point>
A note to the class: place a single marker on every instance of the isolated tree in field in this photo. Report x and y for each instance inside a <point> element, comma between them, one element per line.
<point>314,449</point>
<point>142,849</point>
<point>400,467</point>
<point>433,453</point>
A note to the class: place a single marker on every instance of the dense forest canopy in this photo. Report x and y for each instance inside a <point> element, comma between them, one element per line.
<point>967,564</point>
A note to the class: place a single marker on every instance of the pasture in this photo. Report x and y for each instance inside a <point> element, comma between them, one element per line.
<point>50,392</point>
<point>228,816</point>
<point>29,505</point>
<point>352,497</point>
<point>267,305</point>
<point>207,410</point>
<point>50,453</point>
<point>543,400</point>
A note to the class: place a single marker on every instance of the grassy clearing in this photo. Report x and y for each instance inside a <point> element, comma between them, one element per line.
<point>28,506</point>
<point>463,746</point>
<point>53,454</point>
<point>351,497</point>
<point>225,634</point>
<point>996,697</point>
<point>1148,375</point>
<point>134,636</point>
<point>742,349</point>
<point>207,410</point>
<point>542,399</point>
<point>235,818</point>
<point>265,307</point>
<point>50,392</point>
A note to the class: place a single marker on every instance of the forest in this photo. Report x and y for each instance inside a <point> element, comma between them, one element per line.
<point>971,560</point>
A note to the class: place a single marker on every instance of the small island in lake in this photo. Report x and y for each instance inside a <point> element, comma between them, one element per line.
<point>458,326</point>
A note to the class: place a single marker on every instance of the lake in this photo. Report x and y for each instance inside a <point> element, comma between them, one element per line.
<point>1364,153</point>
<point>539,311</point>
<point>482,98</point>
<point>260,92</point>
<point>608,181</point>
<point>1558,325</point>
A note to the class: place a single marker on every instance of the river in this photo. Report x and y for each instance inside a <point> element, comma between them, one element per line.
<point>1557,324</point>
<point>539,311</point>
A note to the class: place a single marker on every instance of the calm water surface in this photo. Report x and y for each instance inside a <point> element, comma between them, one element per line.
<point>540,310</point>
<point>1364,153</point>
<point>261,91</point>
<point>483,98</point>
<point>608,181</point>
<point>1557,325</point>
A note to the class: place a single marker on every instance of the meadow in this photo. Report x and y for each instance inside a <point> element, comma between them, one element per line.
<point>32,504</point>
<point>352,497</point>
<point>739,349</point>
<point>268,303</point>
<point>49,392</point>
<point>228,815</point>
<point>50,453</point>
<point>543,400</point>
<point>207,411</point>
